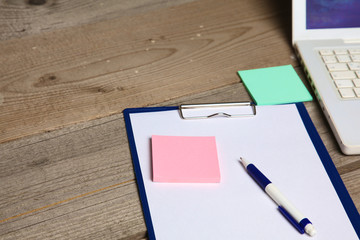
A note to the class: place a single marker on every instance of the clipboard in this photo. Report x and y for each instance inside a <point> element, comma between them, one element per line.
<point>260,214</point>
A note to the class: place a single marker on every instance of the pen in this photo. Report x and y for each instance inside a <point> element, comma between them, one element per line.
<point>300,222</point>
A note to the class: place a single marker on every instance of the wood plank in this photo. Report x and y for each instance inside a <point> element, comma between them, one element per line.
<point>74,183</point>
<point>19,18</point>
<point>73,75</point>
<point>352,182</point>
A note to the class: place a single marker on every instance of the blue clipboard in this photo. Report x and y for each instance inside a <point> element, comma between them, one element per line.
<point>327,162</point>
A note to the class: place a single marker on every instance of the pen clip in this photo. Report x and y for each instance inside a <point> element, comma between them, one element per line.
<point>291,220</point>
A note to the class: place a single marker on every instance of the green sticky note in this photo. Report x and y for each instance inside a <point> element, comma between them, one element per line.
<point>275,85</point>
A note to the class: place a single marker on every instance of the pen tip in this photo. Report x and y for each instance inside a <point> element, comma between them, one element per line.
<point>243,161</point>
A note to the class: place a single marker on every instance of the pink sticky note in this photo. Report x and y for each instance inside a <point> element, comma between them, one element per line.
<point>185,159</point>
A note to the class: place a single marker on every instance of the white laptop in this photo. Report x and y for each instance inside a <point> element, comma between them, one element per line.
<point>326,37</point>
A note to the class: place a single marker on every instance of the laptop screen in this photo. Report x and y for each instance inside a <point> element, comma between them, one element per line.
<point>332,14</point>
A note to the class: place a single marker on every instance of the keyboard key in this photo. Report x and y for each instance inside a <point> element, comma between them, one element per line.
<point>326,52</point>
<point>354,66</point>
<point>357,91</point>
<point>344,67</point>
<point>355,58</point>
<point>329,59</point>
<point>343,58</point>
<point>354,51</point>
<point>341,51</point>
<point>337,66</point>
<point>356,82</point>
<point>343,83</point>
<point>347,93</point>
<point>343,75</point>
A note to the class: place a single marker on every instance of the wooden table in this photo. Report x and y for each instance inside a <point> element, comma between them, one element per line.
<point>69,68</point>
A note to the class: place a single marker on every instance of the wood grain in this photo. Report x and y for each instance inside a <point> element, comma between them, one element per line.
<point>20,18</point>
<point>73,75</point>
<point>74,183</point>
<point>352,182</point>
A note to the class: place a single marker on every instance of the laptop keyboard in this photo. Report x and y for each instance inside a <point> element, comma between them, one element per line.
<point>344,68</point>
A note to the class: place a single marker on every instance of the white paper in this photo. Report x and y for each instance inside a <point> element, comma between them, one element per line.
<point>276,141</point>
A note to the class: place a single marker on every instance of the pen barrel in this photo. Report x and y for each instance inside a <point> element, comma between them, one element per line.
<point>282,201</point>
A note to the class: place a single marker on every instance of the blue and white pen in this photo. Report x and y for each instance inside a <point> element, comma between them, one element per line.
<point>300,222</point>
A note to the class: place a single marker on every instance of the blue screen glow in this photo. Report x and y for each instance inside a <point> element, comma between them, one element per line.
<point>332,14</point>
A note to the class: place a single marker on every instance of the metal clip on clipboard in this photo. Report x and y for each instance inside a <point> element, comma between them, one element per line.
<point>203,111</point>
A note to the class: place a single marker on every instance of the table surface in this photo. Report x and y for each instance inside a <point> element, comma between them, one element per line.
<point>68,70</point>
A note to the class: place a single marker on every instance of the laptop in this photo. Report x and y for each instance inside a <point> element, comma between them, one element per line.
<point>326,38</point>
